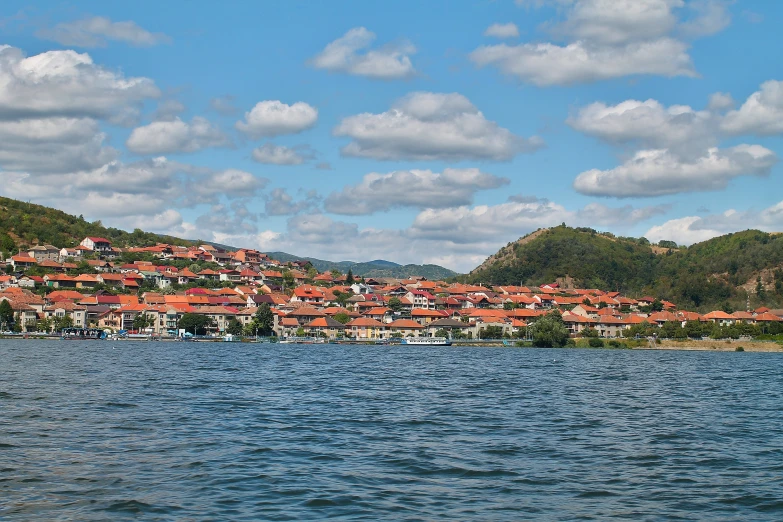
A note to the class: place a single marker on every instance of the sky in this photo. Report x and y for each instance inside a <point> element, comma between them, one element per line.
<point>417,132</point>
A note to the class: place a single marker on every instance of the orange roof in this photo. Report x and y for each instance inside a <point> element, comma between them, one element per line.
<point>405,323</point>
<point>366,322</point>
<point>422,312</point>
<point>719,314</point>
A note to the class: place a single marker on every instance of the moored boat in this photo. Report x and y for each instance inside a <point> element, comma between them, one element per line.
<point>78,334</point>
<point>426,341</point>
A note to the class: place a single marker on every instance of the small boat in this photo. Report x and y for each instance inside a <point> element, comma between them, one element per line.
<point>79,334</point>
<point>426,341</point>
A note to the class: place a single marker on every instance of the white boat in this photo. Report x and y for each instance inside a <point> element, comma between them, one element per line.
<point>426,341</point>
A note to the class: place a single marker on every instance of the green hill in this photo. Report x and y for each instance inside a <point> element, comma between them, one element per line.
<point>721,272</point>
<point>24,224</point>
<point>375,268</point>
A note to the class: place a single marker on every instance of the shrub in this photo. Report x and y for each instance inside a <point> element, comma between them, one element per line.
<point>595,342</point>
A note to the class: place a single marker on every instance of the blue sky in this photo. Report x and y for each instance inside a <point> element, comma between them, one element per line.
<point>413,131</point>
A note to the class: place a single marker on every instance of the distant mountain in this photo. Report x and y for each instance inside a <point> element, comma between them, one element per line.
<point>722,272</point>
<point>375,268</point>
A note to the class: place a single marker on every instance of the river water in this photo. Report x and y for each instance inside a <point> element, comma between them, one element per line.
<point>229,431</point>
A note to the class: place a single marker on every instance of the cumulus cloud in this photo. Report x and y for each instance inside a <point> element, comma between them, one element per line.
<point>693,229</point>
<point>64,83</point>
<point>762,112</point>
<point>344,55</point>
<point>711,16</point>
<point>56,144</point>
<point>230,183</point>
<point>98,30</point>
<point>431,126</point>
<point>174,136</point>
<point>277,155</point>
<point>659,172</point>
<point>618,21</point>
<point>280,203</point>
<point>168,110</point>
<point>233,219</point>
<point>596,214</point>
<point>411,188</point>
<point>509,30</point>
<point>545,64</point>
<point>273,118</point>
<point>720,101</point>
<point>648,124</point>
<point>606,39</point>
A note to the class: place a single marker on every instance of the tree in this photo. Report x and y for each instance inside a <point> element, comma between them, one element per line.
<point>760,289</point>
<point>234,327</point>
<point>288,279</point>
<point>342,317</point>
<point>509,305</point>
<point>6,313</point>
<point>61,322</point>
<point>550,331</point>
<point>264,319</point>
<point>590,332</point>
<point>196,324</point>
<point>395,305</point>
<point>44,325</point>
<point>143,321</point>
<point>656,306</point>
<point>349,280</point>
<point>341,297</point>
<point>491,332</point>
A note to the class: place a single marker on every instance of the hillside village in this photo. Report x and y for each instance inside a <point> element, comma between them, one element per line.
<point>99,285</point>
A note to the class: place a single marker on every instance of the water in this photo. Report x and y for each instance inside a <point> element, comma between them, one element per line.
<point>229,431</point>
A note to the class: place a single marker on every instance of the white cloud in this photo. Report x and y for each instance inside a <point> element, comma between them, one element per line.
<point>720,101</point>
<point>762,112</point>
<point>712,16</point>
<point>273,118</point>
<point>431,126</point>
<point>605,39</point>
<point>277,155</point>
<point>596,214</point>
<point>693,229</point>
<point>649,124</point>
<point>411,188</point>
<point>161,137</point>
<point>96,31</point>
<point>230,183</point>
<point>658,172</point>
<point>64,83</point>
<point>53,145</point>
<point>386,63</point>
<point>280,203</point>
<point>614,22</point>
<point>509,30</point>
<point>546,64</point>
<point>168,110</point>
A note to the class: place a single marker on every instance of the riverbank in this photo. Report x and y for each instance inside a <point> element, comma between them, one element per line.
<point>731,345</point>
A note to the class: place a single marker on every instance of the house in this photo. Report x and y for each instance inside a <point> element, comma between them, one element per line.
<point>44,253</point>
<point>325,327</point>
<point>60,309</point>
<point>97,244</point>
<point>421,299</point>
<point>405,328</point>
<point>22,261</point>
<point>366,328</point>
<point>308,294</point>
<point>448,324</point>
<point>721,318</point>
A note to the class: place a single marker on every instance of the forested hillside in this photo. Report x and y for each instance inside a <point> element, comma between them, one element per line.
<point>721,272</point>
<point>24,224</point>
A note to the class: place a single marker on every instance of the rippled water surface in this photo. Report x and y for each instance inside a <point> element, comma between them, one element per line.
<point>228,431</point>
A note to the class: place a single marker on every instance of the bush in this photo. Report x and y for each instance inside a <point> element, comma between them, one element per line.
<point>739,349</point>
<point>595,342</point>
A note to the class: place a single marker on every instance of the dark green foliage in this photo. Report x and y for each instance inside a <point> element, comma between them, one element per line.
<point>490,332</point>
<point>705,276</point>
<point>395,305</point>
<point>342,317</point>
<point>6,313</point>
<point>264,319</point>
<point>195,323</point>
<point>38,224</point>
<point>234,327</point>
<point>595,342</point>
<point>549,331</point>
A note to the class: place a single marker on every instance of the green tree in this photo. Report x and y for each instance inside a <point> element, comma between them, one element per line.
<point>395,305</point>
<point>590,333</point>
<point>234,327</point>
<point>44,325</point>
<point>509,305</point>
<point>61,322</point>
<point>264,319</point>
<point>288,279</point>
<point>656,306</point>
<point>143,321</point>
<point>6,313</point>
<point>349,280</point>
<point>595,342</point>
<point>491,332</point>
<point>549,331</point>
<point>342,317</point>
<point>195,323</point>
<point>760,289</point>
<point>341,297</point>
